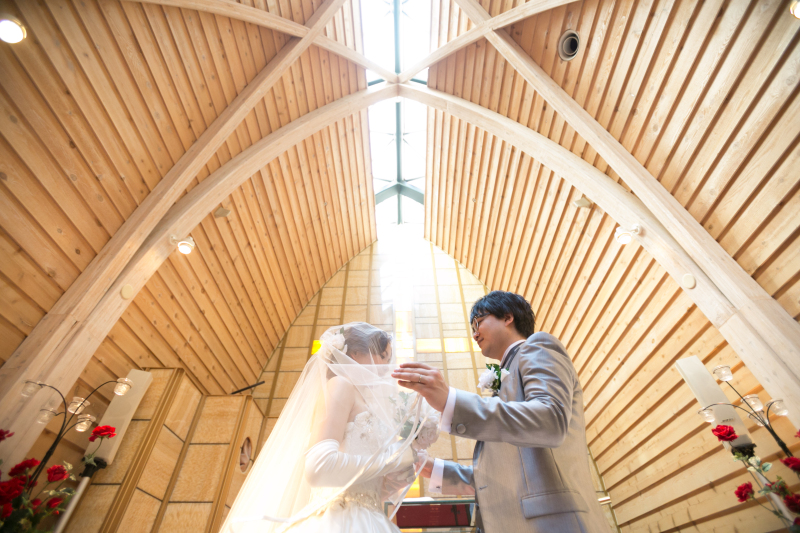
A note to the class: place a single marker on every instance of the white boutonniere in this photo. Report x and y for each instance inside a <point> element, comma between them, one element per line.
<point>492,377</point>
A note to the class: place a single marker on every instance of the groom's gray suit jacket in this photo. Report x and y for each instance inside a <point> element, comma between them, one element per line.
<point>530,469</point>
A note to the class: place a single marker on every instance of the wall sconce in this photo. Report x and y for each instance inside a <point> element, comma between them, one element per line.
<point>624,236</point>
<point>11,30</point>
<point>185,246</point>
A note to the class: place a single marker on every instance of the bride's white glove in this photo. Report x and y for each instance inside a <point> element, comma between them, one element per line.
<point>326,466</point>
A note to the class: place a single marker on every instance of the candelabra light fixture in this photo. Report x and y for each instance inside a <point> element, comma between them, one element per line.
<point>75,408</point>
<point>751,404</point>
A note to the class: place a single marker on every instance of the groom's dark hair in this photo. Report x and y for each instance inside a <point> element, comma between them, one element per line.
<point>502,303</point>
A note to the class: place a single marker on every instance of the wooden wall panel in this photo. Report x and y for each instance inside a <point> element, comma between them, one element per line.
<point>98,103</point>
<point>704,95</point>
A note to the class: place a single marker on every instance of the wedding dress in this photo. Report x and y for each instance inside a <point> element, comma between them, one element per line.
<point>324,470</point>
<point>359,508</point>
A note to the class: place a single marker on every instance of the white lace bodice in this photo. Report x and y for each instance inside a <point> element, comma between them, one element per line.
<point>364,436</point>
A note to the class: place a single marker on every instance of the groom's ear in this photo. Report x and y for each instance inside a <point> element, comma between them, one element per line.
<point>508,320</point>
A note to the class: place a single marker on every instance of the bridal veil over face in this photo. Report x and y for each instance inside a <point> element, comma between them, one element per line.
<point>279,491</point>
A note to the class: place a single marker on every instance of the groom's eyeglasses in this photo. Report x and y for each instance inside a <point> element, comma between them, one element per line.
<point>476,322</point>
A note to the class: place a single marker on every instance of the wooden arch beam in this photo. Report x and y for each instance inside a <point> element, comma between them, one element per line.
<point>42,349</point>
<point>265,19</point>
<point>777,374</point>
<point>770,337</point>
<point>481,29</point>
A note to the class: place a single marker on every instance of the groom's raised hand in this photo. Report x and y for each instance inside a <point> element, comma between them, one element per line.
<point>425,380</point>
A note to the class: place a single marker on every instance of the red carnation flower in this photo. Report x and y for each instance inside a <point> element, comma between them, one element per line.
<point>10,489</point>
<point>725,433</point>
<point>52,503</point>
<point>23,466</point>
<point>103,432</point>
<point>792,501</point>
<point>793,463</point>
<point>4,434</point>
<point>7,509</point>
<point>57,473</point>
<point>36,503</point>
<point>744,492</point>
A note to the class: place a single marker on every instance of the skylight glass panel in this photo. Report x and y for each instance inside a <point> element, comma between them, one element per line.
<point>415,123</point>
<point>382,135</point>
<point>415,33</point>
<point>377,17</point>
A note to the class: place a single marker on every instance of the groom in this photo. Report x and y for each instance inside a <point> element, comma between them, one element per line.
<point>530,467</point>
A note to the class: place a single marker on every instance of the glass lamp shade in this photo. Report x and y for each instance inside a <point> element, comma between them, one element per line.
<point>723,373</point>
<point>30,388</point>
<point>754,402</point>
<point>707,415</point>
<point>77,405</point>
<point>777,407</point>
<point>757,420</point>
<point>123,385</point>
<point>45,415</point>
<point>84,423</point>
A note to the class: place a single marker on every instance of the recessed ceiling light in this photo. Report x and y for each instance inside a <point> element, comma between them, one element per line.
<point>794,9</point>
<point>185,246</point>
<point>624,236</point>
<point>11,30</point>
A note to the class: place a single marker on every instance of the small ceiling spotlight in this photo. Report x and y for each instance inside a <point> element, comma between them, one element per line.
<point>624,236</point>
<point>185,246</point>
<point>794,8</point>
<point>11,30</point>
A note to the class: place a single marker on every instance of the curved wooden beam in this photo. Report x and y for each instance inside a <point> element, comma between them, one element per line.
<point>73,354</point>
<point>482,29</point>
<point>262,18</point>
<point>771,345</point>
<point>775,372</point>
<point>41,349</point>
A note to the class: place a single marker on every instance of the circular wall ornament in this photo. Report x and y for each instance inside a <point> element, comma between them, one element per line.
<point>688,281</point>
<point>245,453</point>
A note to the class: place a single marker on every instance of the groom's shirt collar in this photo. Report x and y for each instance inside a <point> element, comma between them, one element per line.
<point>508,350</point>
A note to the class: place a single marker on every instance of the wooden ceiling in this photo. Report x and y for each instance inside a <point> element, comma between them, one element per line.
<point>105,98</point>
<point>100,102</point>
<point>705,96</point>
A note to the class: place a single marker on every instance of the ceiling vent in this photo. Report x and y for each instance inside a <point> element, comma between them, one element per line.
<point>568,45</point>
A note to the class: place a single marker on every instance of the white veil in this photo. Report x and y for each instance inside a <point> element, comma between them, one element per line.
<point>276,493</point>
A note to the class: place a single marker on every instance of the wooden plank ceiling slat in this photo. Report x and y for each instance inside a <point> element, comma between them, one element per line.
<point>704,94</point>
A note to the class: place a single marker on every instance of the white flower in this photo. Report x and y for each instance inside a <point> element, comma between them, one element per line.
<point>486,379</point>
<point>504,374</point>
<point>338,342</point>
<point>428,434</point>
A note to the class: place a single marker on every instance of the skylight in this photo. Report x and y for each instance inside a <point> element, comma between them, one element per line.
<point>396,36</point>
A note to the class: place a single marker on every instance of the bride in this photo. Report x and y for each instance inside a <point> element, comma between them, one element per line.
<point>346,443</point>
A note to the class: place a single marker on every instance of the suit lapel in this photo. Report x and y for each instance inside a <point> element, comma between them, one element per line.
<point>510,359</point>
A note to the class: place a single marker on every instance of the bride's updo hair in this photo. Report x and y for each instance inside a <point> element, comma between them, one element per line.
<point>366,339</point>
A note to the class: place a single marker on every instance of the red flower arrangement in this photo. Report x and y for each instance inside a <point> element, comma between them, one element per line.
<point>793,463</point>
<point>57,473</point>
<point>792,501</point>
<point>744,492</point>
<point>23,467</point>
<point>18,512</point>
<point>4,434</point>
<point>725,433</point>
<point>103,432</point>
